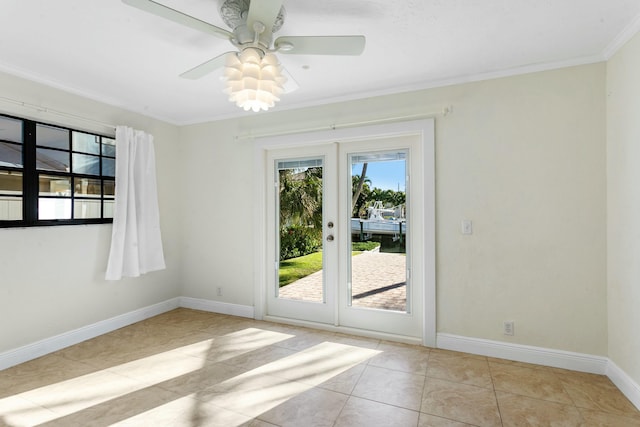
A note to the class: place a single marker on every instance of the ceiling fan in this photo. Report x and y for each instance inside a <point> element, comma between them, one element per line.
<point>253,73</point>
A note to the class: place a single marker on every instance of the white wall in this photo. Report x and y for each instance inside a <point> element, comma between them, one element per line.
<point>51,278</point>
<point>623,215</point>
<point>523,157</point>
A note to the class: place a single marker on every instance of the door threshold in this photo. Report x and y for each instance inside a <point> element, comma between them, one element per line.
<point>345,330</point>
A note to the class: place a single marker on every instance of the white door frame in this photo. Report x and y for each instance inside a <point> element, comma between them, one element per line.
<point>422,128</point>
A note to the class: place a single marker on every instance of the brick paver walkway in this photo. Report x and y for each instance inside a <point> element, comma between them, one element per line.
<point>378,281</point>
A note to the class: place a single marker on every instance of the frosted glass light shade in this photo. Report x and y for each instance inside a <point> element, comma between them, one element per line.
<point>254,81</point>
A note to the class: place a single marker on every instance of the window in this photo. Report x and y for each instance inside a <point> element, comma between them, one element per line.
<point>51,175</point>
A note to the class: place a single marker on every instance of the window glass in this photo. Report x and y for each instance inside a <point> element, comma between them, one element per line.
<point>10,155</point>
<point>109,188</point>
<point>108,167</point>
<point>10,129</point>
<point>10,208</point>
<point>49,136</point>
<point>85,164</point>
<point>54,208</point>
<point>108,147</point>
<point>52,160</point>
<point>54,185</point>
<point>87,187</point>
<point>10,182</point>
<point>84,209</point>
<point>85,143</point>
<point>109,207</point>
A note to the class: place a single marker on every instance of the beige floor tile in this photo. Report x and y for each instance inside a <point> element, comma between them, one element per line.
<point>242,342</point>
<point>392,387</point>
<point>252,394</point>
<point>82,392</point>
<point>260,423</point>
<point>590,391</point>
<point>520,411</point>
<point>466,370</point>
<point>366,413</point>
<point>400,357</point>
<point>196,382</point>
<point>318,364</point>
<point>260,357</point>
<point>191,368</point>
<point>515,363</point>
<point>40,372</point>
<point>603,419</point>
<point>427,420</point>
<point>315,407</point>
<point>306,338</point>
<point>186,412</point>
<point>536,383</point>
<point>187,319</point>
<point>159,367</point>
<point>117,409</point>
<point>460,402</point>
<point>18,412</point>
<point>456,353</point>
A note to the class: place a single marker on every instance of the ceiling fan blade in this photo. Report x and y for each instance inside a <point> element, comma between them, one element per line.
<point>165,12</point>
<point>265,11</point>
<point>320,45</point>
<point>206,67</point>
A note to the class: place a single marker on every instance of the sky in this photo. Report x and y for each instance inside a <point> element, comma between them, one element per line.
<point>386,175</point>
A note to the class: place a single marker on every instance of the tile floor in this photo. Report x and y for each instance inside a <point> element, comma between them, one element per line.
<point>192,368</point>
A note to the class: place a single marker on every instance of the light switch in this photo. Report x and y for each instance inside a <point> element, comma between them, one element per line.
<point>467,226</point>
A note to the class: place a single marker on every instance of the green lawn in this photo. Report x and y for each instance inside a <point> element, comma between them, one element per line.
<point>296,268</point>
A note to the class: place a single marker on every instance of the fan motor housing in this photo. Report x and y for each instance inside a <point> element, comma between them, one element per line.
<point>234,14</point>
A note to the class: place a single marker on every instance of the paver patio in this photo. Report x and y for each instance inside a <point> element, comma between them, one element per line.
<point>378,281</point>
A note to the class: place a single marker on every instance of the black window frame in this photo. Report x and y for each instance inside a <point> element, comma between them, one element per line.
<point>31,177</point>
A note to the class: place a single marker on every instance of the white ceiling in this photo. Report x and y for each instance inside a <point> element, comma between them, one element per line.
<point>111,52</point>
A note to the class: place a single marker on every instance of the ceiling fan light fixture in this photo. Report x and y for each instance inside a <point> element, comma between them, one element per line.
<point>253,79</point>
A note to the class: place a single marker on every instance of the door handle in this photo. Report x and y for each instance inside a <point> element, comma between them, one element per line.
<point>330,224</point>
<point>330,238</point>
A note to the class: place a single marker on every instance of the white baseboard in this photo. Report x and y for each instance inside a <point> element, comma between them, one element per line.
<point>217,307</point>
<point>66,339</point>
<point>625,383</point>
<point>525,353</point>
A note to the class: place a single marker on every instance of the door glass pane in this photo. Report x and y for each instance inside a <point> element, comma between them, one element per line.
<point>377,275</point>
<point>299,205</point>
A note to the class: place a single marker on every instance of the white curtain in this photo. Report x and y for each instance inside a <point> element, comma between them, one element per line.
<point>136,244</point>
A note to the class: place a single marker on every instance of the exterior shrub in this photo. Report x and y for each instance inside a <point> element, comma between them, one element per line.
<point>297,241</point>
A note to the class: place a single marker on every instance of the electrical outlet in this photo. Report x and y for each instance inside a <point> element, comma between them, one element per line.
<point>466,226</point>
<point>219,291</point>
<point>508,328</point>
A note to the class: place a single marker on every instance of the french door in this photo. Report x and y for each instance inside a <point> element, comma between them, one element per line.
<point>344,235</point>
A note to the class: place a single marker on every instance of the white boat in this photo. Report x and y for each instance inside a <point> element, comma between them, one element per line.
<point>380,220</point>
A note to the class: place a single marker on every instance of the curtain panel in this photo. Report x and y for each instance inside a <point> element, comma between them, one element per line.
<point>136,241</point>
